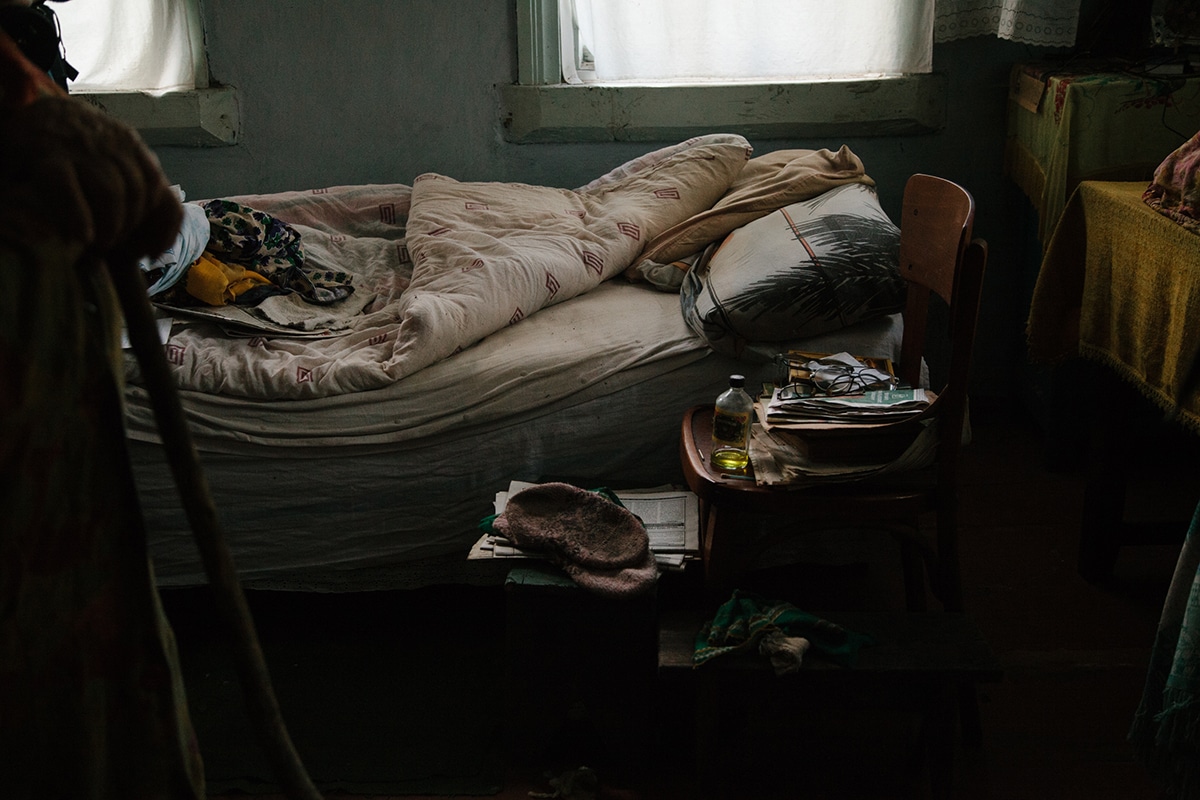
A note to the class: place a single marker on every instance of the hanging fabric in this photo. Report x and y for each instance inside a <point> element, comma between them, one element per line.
<point>1046,23</point>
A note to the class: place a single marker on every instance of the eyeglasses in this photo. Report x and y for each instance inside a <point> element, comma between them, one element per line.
<point>830,379</point>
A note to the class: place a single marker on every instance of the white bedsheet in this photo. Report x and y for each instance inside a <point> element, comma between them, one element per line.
<point>568,352</point>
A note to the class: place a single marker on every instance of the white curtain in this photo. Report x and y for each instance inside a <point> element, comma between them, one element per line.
<point>1046,23</point>
<point>133,45</point>
<point>746,40</point>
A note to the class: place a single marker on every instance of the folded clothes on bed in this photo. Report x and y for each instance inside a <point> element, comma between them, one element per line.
<point>216,283</point>
<point>166,269</point>
<point>266,244</point>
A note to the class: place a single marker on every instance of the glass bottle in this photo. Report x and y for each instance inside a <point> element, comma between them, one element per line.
<point>731,426</point>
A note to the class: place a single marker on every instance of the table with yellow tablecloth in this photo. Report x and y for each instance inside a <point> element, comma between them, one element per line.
<point>1069,123</point>
<point>1120,285</point>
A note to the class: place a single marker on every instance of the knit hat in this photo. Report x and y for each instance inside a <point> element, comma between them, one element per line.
<point>600,544</point>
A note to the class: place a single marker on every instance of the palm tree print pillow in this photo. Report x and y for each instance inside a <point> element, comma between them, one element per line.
<point>806,269</point>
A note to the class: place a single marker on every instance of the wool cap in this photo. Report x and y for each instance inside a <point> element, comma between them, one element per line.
<point>600,544</point>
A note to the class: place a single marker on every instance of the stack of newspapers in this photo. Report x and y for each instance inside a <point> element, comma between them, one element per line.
<point>877,405</point>
<point>838,417</point>
<point>838,389</point>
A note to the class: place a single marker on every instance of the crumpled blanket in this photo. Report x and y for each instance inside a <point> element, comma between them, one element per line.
<point>1175,189</point>
<point>780,631</point>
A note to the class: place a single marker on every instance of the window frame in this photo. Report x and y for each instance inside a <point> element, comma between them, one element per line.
<point>205,116</point>
<point>540,108</point>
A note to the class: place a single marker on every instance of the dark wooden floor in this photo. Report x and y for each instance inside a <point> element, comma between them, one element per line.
<point>1074,653</point>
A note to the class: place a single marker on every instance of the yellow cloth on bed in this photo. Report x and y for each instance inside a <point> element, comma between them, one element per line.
<point>217,283</point>
<point>1120,284</point>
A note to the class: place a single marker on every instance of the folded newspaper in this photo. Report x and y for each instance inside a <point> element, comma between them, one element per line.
<point>779,461</point>
<point>881,405</point>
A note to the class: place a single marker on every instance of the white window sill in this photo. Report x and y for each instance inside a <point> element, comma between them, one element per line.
<point>912,104</point>
<point>194,118</point>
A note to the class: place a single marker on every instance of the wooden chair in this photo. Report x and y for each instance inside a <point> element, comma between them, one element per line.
<point>937,257</point>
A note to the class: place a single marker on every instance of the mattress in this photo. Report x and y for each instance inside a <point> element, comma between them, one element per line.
<point>385,489</point>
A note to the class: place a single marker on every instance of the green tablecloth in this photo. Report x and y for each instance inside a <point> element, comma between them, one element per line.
<point>1078,123</point>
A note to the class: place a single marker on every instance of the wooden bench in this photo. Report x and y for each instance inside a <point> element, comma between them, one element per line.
<point>919,663</point>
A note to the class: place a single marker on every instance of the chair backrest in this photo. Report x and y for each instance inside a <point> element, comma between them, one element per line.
<point>938,256</point>
<point>936,219</point>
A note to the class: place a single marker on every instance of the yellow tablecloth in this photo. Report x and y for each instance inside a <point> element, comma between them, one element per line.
<point>1120,284</point>
<point>1071,125</point>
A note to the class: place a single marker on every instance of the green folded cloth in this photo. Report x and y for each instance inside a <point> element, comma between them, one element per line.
<point>779,630</point>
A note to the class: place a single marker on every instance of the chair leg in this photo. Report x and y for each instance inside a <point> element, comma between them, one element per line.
<point>948,582</point>
<point>938,733</point>
<point>710,552</point>
<point>706,721</point>
<point>970,724</point>
<point>722,557</point>
<point>950,592</point>
<point>914,575</point>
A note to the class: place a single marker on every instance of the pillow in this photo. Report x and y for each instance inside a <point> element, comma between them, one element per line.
<point>765,184</point>
<point>805,269</point>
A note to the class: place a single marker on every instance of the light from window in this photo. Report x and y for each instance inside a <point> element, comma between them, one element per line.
<point>696,41</point>
<point>134,45</point>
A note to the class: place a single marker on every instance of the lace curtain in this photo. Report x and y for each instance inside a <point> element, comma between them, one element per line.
<point>1046,23</point>
<point>133,45</point>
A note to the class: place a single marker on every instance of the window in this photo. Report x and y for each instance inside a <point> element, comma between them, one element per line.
<point>134,45</point>
<point>143,61</point>
<point>544,106</point>
<point>699,41</point>
<point>820,97</point>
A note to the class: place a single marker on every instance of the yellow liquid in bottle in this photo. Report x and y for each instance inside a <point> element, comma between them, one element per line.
<point>732,415</point>
<point>730,459</point>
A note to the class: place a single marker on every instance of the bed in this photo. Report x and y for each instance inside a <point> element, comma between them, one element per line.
<point>355,442</point>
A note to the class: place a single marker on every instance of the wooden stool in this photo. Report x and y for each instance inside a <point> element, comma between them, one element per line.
<point>919,663</point>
